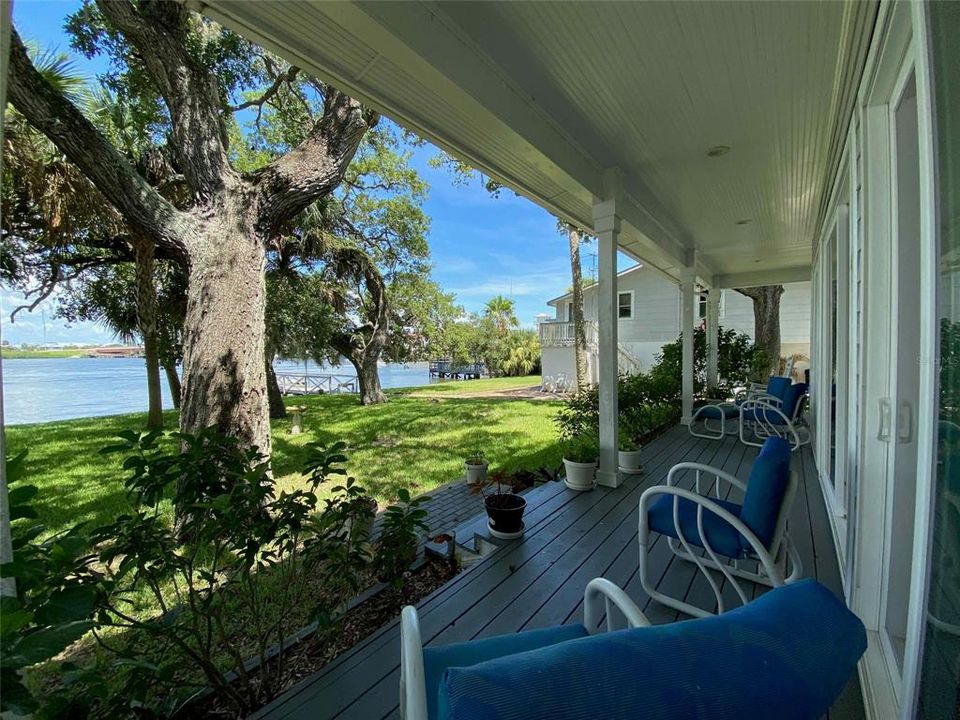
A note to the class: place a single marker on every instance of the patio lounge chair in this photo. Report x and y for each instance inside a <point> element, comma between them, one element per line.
<point>422,669</point>
<point>732,537</point>
<point>726,414</point>
<point>763,417</point>
<point>787,655</point>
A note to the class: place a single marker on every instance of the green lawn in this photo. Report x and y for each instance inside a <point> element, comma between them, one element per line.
<point>412,442</point>
<point>475,386</point>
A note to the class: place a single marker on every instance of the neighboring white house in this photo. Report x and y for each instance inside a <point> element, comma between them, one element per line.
<point>648,308</point>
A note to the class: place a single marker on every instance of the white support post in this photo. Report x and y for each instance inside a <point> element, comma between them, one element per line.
<point>713,326</point>
<point>606,226</point>
<point>687,287</point>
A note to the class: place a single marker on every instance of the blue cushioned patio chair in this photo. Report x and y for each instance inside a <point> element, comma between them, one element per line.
<point>422,669</point>
<point>785,656</point>
<point>762,418</point>
<point>773,392</point>
<point>748,541</point>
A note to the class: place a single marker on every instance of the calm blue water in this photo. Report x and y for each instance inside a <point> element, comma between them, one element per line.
<point>62,388</point>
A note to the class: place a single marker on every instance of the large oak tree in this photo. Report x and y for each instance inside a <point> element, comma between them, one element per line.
<point>220,235</point>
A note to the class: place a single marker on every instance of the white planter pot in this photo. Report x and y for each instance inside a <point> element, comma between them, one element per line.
<point>579,476</point>
<point>629,461</point>
<point>475,473</point>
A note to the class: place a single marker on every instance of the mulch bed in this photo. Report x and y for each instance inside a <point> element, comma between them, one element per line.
<point>311,655</point>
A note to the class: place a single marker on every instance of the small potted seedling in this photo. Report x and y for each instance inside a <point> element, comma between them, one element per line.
<point>580,462</point>
<point>628,450</point>
<point>504,511</point>
<point>476,468</point>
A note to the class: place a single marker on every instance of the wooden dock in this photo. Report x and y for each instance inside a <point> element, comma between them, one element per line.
<point>447,369</point>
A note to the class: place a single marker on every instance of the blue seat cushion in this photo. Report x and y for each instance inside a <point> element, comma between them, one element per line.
<point>436,660</point>
<point>793,397</point>
<point>766,487</point>
<point>718,412</point>
<point>721,535</point>
<point>785,656</point>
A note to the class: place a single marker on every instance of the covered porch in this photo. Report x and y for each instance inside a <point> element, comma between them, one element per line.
<point>538,581</point>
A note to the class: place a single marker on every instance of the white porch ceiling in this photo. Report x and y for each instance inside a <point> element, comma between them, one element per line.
<point>548,96</point>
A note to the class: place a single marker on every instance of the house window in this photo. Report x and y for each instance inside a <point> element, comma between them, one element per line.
<point>625,305</point>
<point>569,312</point>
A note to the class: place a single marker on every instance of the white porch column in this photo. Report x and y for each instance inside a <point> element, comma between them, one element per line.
<point>687,285</point>
<point>606,226</point>
<point>713,325</point>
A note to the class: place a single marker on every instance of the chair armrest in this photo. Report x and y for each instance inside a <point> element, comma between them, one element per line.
<point>766,397</point>
<point>613,597</point>
<point>763,411</point>
<point>701,468</point>
<point>705,503</point>
<point>413,691</point>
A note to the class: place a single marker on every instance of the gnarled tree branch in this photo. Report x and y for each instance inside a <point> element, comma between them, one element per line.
<point>76,137</point>
<point>158,30</point>
<point>317,165</point>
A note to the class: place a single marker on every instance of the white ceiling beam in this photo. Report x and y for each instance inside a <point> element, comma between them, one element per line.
<point>756,278</point>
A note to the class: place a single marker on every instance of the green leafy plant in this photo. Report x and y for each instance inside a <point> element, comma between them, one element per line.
<point>403,525</point>
<point>476,458</point>
<point>251,552</point>
<point>582,449</point>
<point>54,599</point>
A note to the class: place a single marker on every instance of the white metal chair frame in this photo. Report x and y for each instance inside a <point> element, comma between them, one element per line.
<point>725,422</point>
<point>762,422</point>
<point>773,562</point>
<point>619,609</point>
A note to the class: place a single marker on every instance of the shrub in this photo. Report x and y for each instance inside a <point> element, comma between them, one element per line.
<point>252,553</point>
<point>54,601</point>
<point>645,404</point>
<point>399,538</point>
<point>738,360</point>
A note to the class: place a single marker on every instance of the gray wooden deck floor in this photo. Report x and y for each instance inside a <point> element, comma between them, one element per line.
<point>537,582</point>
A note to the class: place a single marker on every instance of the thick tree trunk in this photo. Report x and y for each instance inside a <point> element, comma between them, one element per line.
<point>224,378</point>
<point>369,378</point>
<point>277,408</point>
<point>766,320</point>
<point>173,382</point>
<point>147,320</point>
<point>579,330</point>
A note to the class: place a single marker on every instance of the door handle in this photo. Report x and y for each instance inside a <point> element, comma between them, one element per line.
<point>883,431</point>
<point>904,422</point>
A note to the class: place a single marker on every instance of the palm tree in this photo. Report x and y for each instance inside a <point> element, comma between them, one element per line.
<point>501,311</point>
<point>579,331</point>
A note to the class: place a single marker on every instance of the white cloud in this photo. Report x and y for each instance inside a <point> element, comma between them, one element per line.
<point>40,326</point>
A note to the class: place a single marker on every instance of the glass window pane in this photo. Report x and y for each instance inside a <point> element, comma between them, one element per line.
<point>939,682</point>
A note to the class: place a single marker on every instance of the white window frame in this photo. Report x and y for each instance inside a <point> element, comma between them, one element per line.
<point>625,292</point>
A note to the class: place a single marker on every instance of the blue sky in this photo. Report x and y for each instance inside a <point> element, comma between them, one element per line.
<point>481,246</point>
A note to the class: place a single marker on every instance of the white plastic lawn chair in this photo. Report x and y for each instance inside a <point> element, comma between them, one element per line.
<point>691,518</point>
<point>601,598</point>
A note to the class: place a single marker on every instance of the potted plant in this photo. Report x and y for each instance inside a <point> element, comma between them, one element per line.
<point>476,468</point>
<point>628,450</point>
<point>504,512</point>
<point>580,462</point>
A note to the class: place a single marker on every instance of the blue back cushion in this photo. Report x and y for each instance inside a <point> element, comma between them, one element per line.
<point>778,386</point>
<point>766,487</point>
<point>792,398</point>
<point>436,660</point>
<point>787,655</point>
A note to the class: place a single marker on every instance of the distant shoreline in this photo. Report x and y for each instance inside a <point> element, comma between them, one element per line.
<point>14,354</point>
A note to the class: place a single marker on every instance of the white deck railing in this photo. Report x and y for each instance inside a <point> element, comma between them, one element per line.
<point>560,333</point>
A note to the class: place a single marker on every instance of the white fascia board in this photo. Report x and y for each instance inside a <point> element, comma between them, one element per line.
<point>757,278</point>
